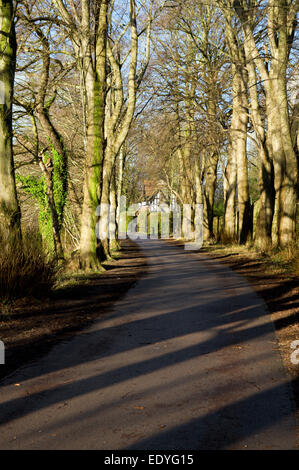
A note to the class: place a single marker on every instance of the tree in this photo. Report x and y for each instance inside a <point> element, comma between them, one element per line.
<point>237,168</point>
<point>37,99</point>
<point>194,80</point>
<point>271,63</point>
<point>87,30</point>
<point>9,208</point>
<point>120,107</point>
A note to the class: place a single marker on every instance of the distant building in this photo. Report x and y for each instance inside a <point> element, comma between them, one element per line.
<point>157,193</point>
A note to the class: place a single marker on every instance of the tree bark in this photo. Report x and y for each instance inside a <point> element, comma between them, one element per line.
<point>263,232</point>
<point>47,166</point>
<point>209,194</point>
<point>113,243</point>
<point>229,231</point>
<point>9,207</point>
<point>240,141</point>
<point>281,23</point>
<point>119,115</point>
<point>119,181</point>
<point>95,85</point>
<point>47,169</point>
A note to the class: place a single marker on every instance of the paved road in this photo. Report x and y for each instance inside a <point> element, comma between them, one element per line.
<point>188,359</point>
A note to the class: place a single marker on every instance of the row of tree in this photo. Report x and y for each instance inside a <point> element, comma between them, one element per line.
<point>99,49</point>
<point>227,75</point>
<point>107,93</point>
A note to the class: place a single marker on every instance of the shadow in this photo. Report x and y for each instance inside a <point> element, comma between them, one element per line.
<point>68,310</point>
<point>226,310</point>
<point>190,334</point>
<point>217,429</point>
<point>227,427</point>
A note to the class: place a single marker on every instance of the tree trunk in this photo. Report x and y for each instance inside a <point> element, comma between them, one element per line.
<point>229,231</point>
<point>185,192</point>
<point>120,176</point>
<point>263,231</point>
<point>118,120</point>
<point>240,141</point>
<point>93,173</point>
<point>281,23</point>
<point>288,190</point>
<point>109,160</point>
<point>47,169</point>
<point>9,208</point>
<point>263,237</point>
<point>113,244</point>
<point>95,83</point>
<point>209,193</point>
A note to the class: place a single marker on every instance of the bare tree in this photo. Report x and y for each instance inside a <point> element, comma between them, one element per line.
<point>237,168</point>
<point>271,62</point>
<point>86,23</point>
<point>43,92</point>
<point>120,105</point>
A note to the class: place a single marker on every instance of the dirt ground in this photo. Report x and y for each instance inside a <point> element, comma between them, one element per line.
<point>30,327</point>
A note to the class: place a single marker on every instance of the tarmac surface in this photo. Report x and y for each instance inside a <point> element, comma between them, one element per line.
<point>187,360</point>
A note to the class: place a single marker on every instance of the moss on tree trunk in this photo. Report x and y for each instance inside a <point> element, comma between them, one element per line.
<point>9,208</point>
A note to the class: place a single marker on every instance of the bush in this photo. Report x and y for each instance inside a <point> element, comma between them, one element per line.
<point>25,268</point>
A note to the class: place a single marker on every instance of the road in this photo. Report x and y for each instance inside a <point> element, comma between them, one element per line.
<point>187,360</point>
